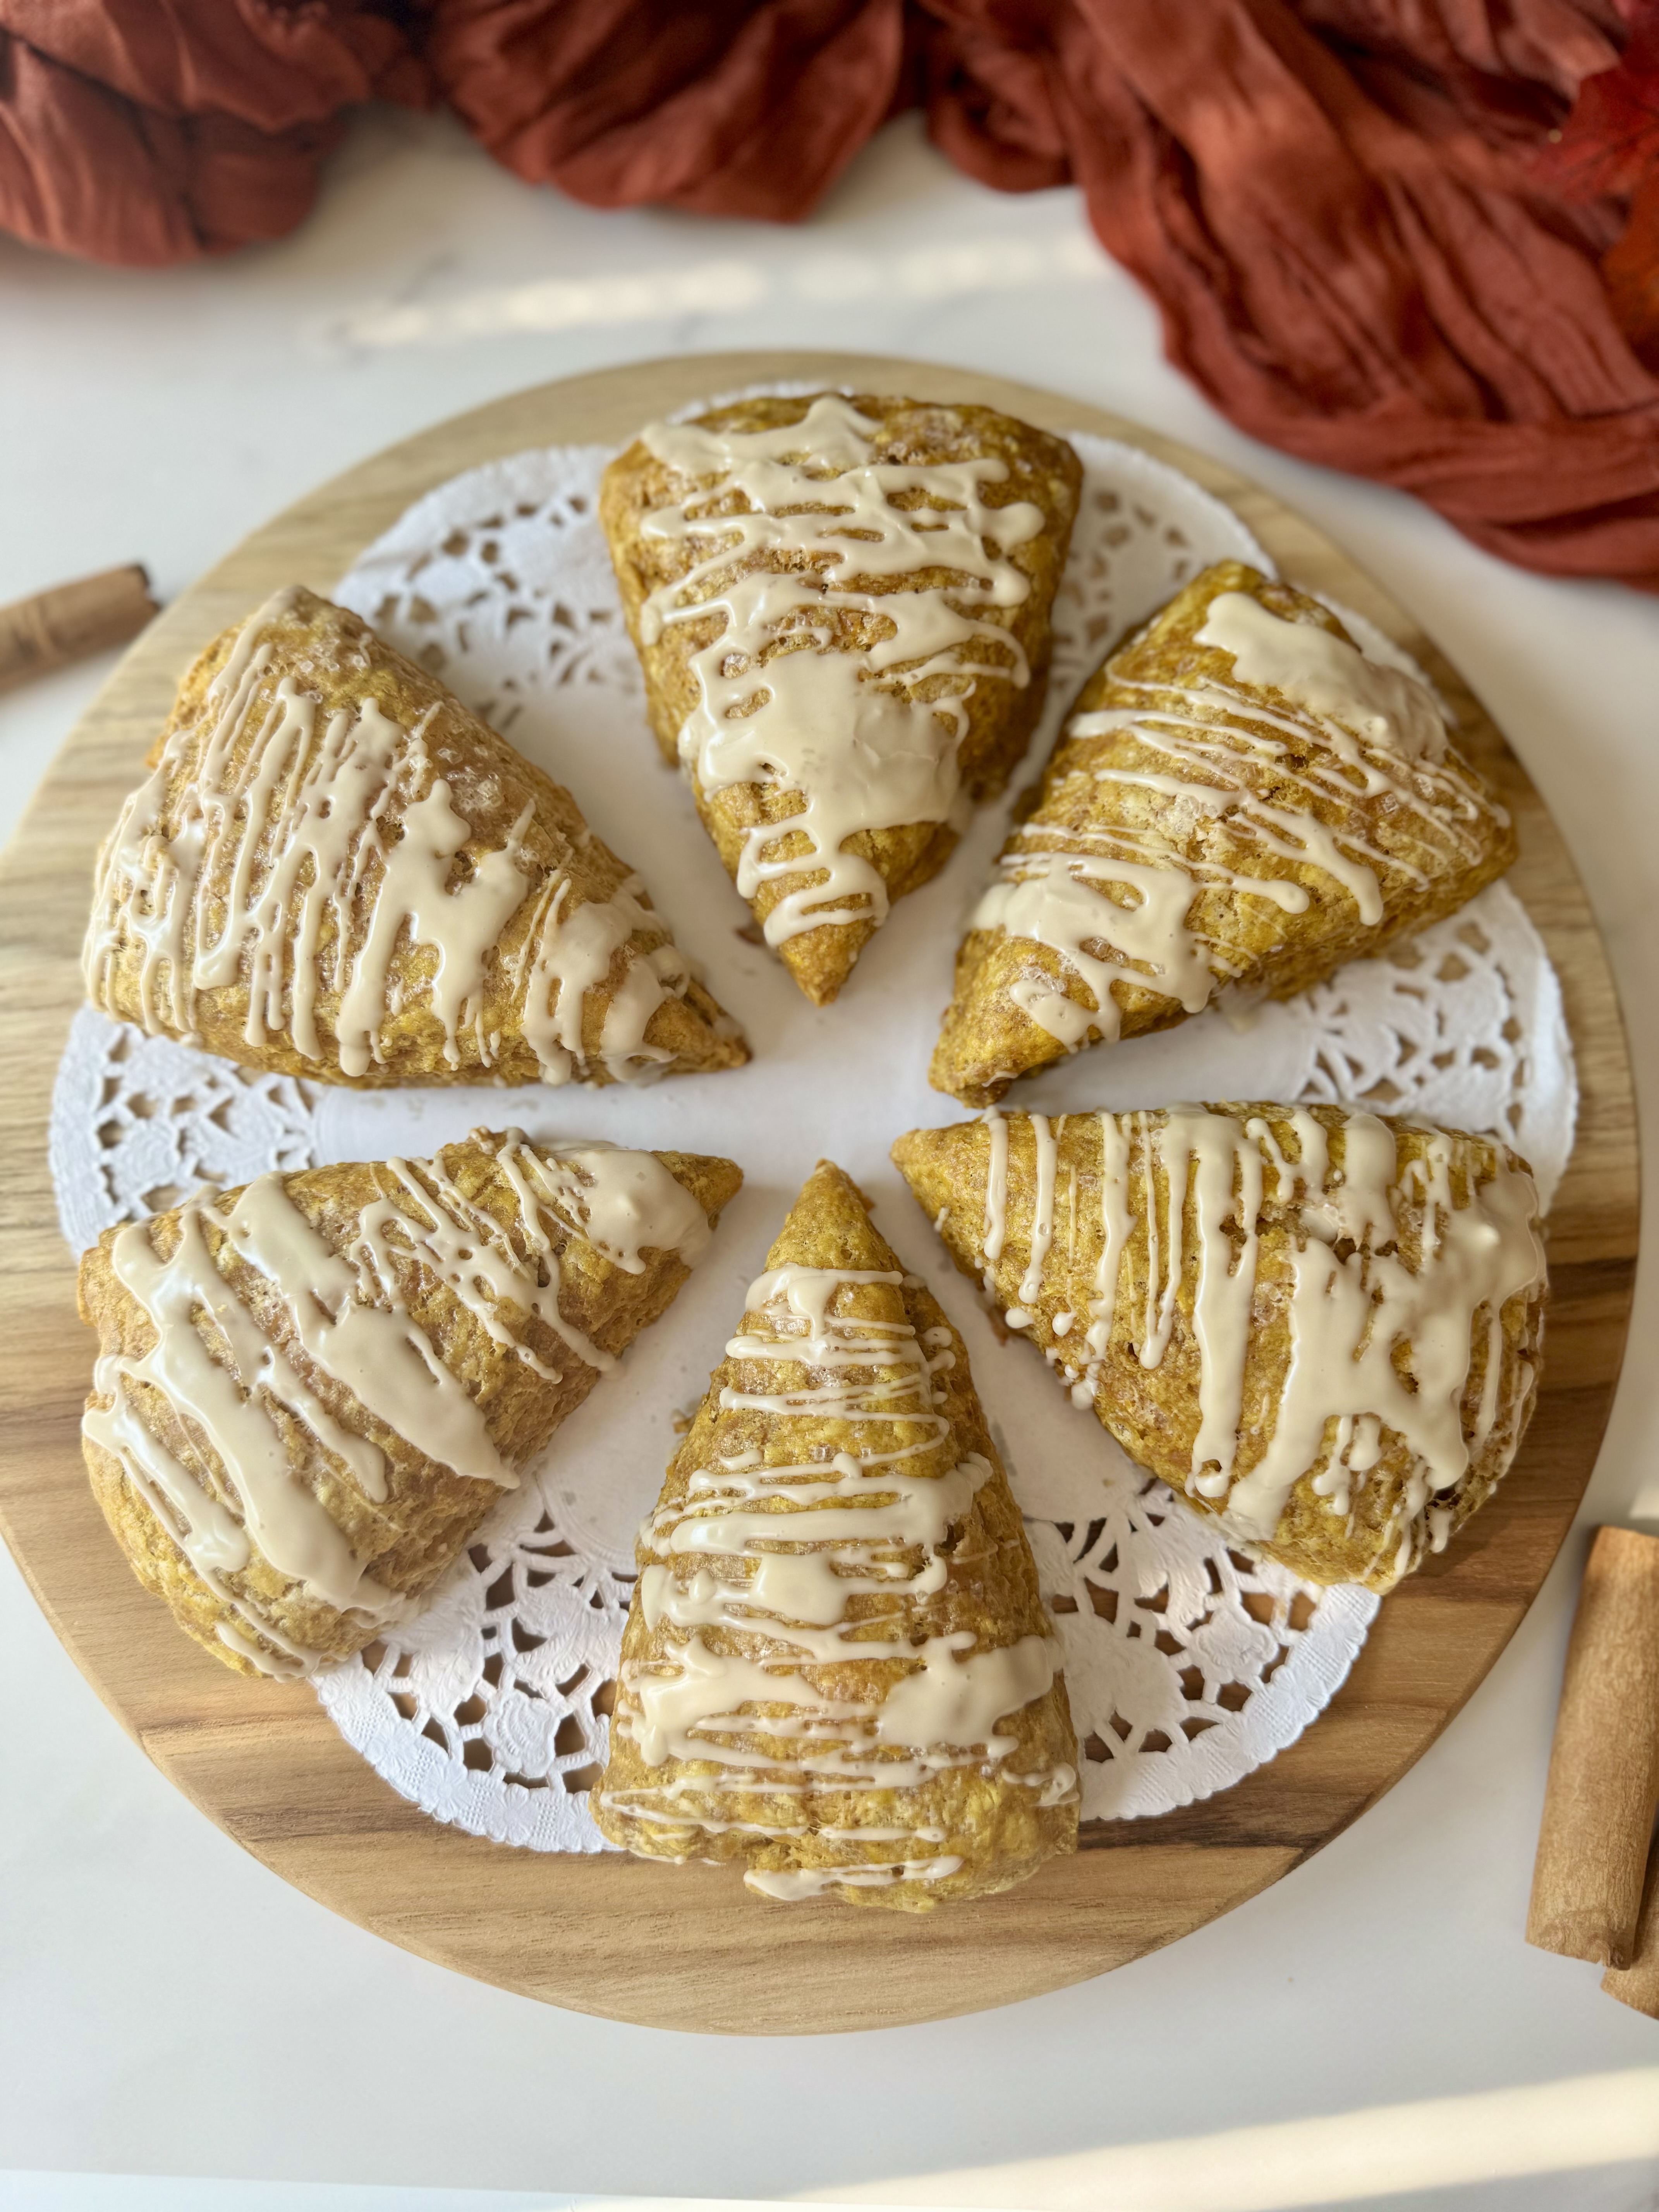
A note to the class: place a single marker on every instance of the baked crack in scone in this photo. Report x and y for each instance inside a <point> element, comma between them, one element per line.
<point>842,610</point>
<point>336,871</point>
<point>310,1391</point>
<point>837,1671</point>
<point>1241,798</point>
<point>1319,1326</point>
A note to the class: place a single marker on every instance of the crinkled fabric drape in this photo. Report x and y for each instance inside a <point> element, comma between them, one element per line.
<point>1382,235</point>
<point>145,131</point>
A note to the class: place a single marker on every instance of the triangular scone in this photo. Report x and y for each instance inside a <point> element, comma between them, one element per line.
<point>837,1670</point>
<point>1240,798</point>
<point>842,609</point>
<point>1331,1346</point>
<point>311,1390</point>
<point>336,870</point>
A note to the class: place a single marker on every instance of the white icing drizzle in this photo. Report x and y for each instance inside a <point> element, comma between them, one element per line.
<point>790,1884</point>
<point>996,1196</point>
<point>1354,1301</point>
<point>279,1515</point>
<point>335,892</point>
<point>877,1520</point>
<point>349,1314</point>
<point>1116,1227</point>
<point>1114,899</point>
<point>212,1540</point>
<point>779,705</point>
<point>376,1351</point>
<point>568,952</point>
<point>1043,1217</point>
<point>286,1663</point>
<point>1325,674</point>
<point>624,1203</point>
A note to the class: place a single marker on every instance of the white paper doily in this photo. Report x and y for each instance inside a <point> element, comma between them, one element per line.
<point>1188,1665</point>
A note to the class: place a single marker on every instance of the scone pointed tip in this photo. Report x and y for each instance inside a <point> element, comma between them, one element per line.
<point>971,1083</point>
<point>829,1226</point>
<point>712,1181</point>
<point>986,1039</point>
<point>700,1036</point>
<point>820,960</point>
<point>908,1147</point>
<point>938,1167</point>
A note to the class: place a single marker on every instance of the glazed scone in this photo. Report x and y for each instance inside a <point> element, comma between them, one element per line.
<point>1331,1342</point>
<point>841,607</point>
<point>336,871</point>
<point>310,1391</point>
<point>1240,798</point>
<point>837,1671</point>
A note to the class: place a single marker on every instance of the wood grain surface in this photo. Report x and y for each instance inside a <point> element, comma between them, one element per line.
<point>686,1947</point>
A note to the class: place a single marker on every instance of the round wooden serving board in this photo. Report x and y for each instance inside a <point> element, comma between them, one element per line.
<point>687,1946</point>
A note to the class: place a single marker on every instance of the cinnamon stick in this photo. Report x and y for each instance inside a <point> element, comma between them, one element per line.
<point>1603,1787</point>
<point>1637,1984</point>
<point>71,620</point>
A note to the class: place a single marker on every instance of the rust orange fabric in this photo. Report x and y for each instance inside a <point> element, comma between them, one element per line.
<point>1415,240</point>
<point>147,131</point>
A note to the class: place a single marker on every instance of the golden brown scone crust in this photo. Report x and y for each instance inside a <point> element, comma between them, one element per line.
<point>410,1537</point>
<point>1000,1829</point>
<point>334,655</point>
<point>1154,1413</point>
<point>988,1041</point>
<point>1042,469</point>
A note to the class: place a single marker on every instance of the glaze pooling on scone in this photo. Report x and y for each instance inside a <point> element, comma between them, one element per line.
<point>856,627</point>
<point>330,852</point>
<point>1321,1325</point>
<point>624,1203</point>
<point>297,1377</point>
<point>1328,676</point>
<point>837,1669</point>
<point>1241,798</point>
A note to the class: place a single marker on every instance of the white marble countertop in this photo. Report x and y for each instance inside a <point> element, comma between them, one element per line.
<point>1375,2023</point>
